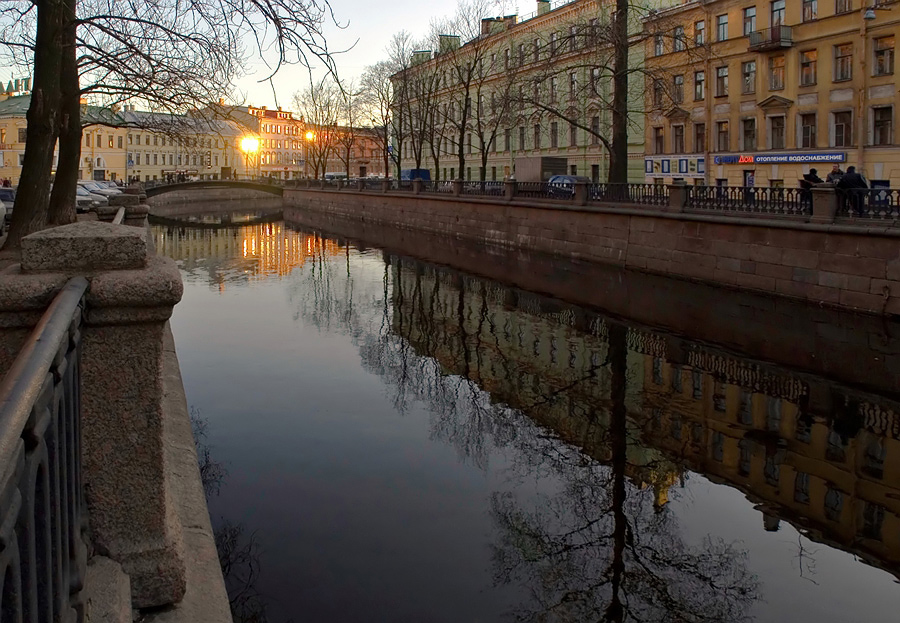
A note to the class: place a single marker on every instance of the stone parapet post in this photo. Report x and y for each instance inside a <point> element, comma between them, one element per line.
<point>678,196</point>
<point>385,185</point>
<point>457,188</point>
<point>417,187</point>
<point>126,475</point>
<point>581,193</point>
<point>509,189</point>
<point>824,203</point>
<point>360,184</point>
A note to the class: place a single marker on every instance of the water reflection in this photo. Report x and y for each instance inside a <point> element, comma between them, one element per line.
<point>824,458</point>
<point>598,438</point>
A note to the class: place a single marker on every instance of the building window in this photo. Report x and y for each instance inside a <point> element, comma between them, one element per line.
<point>537,50</point>
<point>537,136</point>
<point>553,89</point>
<point>573,38</point>
<point>843,6</point>
<point>678,139</point>
<point>776,132</point>
<point>748,77</point>
<point>119,142</point>
<point>801,488</point>
<point>699,85</point>
<point>884,56</point>
<point>843,62</point>
<point>87,139</point>
<point>658,91</point>
<point>573,85</point>
<point>699,137</point>
<point>722,136</point>
<point>658,47</point>
<point>506,58</point>
<point>808,130</point>
<point>748,132</point>
<point>507,139</point>
<point>521,56</point>
<point>699,33</point>
<point>679,43</point>
<point>553,37</point>
<point>678,89</point>
<point>721,81</point>
<point>658,141</point>
<point>721,27</point>
<point>554,135</point>
<point>776,73</point>
<point>137,159</point>
<point>749,20</point>
<point>834,503</point>
<point>808,67</point>
<point>573,135</point>
<point>843,129</point>
<point>595,130</point>
<point>882,125</point>
<point>777,13</point>
<point>521,137</point>
<point>810,10</point>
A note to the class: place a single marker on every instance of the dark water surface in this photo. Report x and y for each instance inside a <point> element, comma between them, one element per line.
<point>400,441</point>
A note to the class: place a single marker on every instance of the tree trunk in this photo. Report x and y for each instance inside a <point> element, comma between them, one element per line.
<point>618,156</point>
<point>62,199</point>
<point>618,438</point>
<point>33,193</point>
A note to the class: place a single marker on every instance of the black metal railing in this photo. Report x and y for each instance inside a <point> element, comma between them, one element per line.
<point>642,194</point>
<point>485,189</point>
<point>749,199</point>
<point>771,38</point>
<point>442,188</point>
<point>882,204</point>
<point>532,190</point>
<point>43,556</point>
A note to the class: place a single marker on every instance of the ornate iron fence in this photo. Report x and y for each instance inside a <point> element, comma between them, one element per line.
<point>484,189</point>
<point>532,190</point>
<point>763,200</point>
<point>643,194</point>
<point>882,204</point>
<point>43,555</point>
<point>444,188</point>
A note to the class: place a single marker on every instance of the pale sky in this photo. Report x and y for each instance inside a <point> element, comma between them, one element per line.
<point>372,23</point>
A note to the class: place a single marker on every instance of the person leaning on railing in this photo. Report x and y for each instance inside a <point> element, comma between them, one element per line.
<point>853,186</point>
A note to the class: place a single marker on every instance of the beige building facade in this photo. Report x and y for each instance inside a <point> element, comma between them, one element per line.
<point>757,92</point>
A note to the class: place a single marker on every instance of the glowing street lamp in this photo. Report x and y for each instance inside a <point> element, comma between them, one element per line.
<point>250,146</point>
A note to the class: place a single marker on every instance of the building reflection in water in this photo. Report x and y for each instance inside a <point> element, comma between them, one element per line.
<point>236,251</point>
<point>822,457</point>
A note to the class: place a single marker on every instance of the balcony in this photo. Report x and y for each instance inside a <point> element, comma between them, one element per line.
<point>774,38</point>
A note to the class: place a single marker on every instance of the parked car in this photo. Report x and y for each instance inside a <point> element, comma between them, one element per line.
<point>85,200</point>
<point>7,199</point>
<point>98,189</point>
<point>563,186</point>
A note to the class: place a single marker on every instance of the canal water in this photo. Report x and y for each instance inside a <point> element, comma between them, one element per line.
<point>386,439</point>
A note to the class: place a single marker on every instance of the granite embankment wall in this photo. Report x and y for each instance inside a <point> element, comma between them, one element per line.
<point>852,267</point>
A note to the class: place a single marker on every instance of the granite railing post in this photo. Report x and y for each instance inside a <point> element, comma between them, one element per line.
<point>127,480</point>
<point>824,203</point>
<point>417,187</point>
<point>457,187</point>
<point>360,184</point>
<point>581,193</point>
<point>678,196</point>
<point>385,185</point>
<point>509,188</point>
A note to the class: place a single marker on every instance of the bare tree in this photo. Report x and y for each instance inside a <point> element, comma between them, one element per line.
<point>349,114</point>
<point>170,55</point>
<point>378,103</point>
<point>320,105</point>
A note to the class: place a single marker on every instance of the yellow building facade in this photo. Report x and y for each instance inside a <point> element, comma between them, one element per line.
<point>757,92</point>
<point>132,145</point>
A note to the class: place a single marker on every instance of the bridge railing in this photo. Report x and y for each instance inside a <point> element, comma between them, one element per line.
<point>878,204</point>
<point>42,509</point>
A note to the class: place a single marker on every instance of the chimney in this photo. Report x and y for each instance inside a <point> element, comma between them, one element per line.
<point>420,56</point>
<point>448,43</point>
<point>511,20</point>
<point>543,7</point>
<point>487,25</point>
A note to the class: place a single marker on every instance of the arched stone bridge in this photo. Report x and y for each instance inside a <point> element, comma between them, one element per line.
<point>273,188</point>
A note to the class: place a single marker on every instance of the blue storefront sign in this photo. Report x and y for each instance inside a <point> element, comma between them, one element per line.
<point>788,158</point>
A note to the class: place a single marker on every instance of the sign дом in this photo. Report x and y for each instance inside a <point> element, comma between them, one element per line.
<point>780,158</point>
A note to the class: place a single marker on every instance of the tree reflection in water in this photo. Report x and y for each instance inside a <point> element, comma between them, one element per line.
<point>239,552</point>
<point>598,548</point>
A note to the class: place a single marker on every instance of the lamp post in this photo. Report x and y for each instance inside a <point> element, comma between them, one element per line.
<point>310,136</point>
<point>250,146</point>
